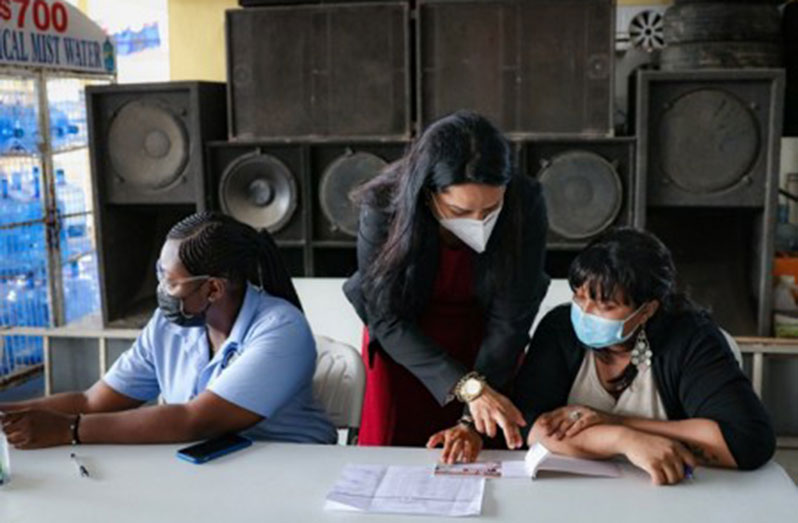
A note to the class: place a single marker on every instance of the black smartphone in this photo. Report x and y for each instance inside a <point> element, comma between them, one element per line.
<point>213,448</point>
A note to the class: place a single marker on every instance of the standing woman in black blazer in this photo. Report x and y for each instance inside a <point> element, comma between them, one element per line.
<point>450,277</point>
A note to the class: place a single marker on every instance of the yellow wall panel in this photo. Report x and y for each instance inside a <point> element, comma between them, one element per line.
<point>196,39</point>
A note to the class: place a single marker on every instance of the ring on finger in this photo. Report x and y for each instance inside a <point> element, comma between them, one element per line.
<point>574,415</point>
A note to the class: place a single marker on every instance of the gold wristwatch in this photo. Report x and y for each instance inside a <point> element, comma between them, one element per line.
<point>470,387</point>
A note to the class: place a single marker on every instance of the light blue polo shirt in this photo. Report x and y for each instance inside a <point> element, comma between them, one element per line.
<point>266,366</point>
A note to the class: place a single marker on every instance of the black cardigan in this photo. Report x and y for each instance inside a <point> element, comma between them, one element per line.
<point>694,370</point>
<point>509,312</point>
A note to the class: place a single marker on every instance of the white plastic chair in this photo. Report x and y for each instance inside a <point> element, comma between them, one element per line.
<point>340,383</point>
<point>738,355</point>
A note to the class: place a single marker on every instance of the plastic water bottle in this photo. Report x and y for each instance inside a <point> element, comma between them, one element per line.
<point>79,289</point>
<point>62,131</point>
<point>6,209</point>
<point>25,129</point>
<point>31,128</point>
<point>71,201</point>
<point>11,131</point>
<point>153,38</point>
<point>123,42</point>
<point>76,109</point>
<point>7,130</point>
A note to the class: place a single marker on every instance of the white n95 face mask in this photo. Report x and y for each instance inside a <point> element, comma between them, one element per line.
<point>474,233</point>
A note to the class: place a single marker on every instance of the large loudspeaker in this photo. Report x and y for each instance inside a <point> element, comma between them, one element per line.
<point>300,193</point>
<point>319,70</point>
<point>269,3</point>
<point>707,164</point>
<point>532,66</point>
<point>588,184</point>
<point>263,185</point>
<point>146,139</point>
<point>709,138</point>
<point>148,169</point>
<point>790,33</point>
<point>337,169</point>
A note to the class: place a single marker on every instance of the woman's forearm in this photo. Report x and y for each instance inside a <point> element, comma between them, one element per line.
<point>156,424</point>
<point>702,436</point>
<point>65,402</point>
<point>596,442</point>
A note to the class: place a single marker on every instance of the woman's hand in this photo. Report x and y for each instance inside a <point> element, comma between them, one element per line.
<point>664,459</point>
<point>33,429</point>
<point>492,408</point>
<point>570,420</point>
<point>461,444</point>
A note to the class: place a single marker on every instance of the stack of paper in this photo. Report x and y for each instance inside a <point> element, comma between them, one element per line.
<point>405,490</point>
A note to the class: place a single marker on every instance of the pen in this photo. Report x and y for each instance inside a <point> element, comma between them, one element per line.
<point>82,470</point>
<point>688,472</point>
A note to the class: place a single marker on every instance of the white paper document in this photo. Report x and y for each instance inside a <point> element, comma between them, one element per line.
<point>405,490</point>
<point>540,458</point>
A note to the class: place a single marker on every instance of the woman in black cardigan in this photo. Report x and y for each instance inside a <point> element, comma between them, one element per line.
<point>633,368</point>
<point>450,276</point>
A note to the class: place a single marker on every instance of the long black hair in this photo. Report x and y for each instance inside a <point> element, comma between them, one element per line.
<point>218,245</point>
<point>462,147</point>
<point>633,262</point>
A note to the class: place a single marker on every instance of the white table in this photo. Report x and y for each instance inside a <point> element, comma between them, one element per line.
<point>279,483</point>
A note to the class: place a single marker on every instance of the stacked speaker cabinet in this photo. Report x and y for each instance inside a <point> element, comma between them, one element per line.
<point>148,170</point>
<point>531,66</point>
<point>589,186</point>
<point>300,193</point>
<point>320,102</point>
<point>314,71</point>
<point>708,164</point>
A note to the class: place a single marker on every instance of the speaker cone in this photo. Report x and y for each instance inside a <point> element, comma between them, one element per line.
<point>148,145</point>
<point>258,189</point>
<point>709,141</point>
<point>583,194</point>
<point>337,182</point>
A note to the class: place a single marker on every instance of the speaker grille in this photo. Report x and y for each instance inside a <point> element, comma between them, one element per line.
<point>148,145</point>
<point>709,141</point>
<point>310,70</point>
<point>583,194</point>
<point>258,189</point>
<point>339,180</point>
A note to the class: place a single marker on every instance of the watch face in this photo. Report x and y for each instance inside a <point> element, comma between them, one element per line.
<point>473,386</point>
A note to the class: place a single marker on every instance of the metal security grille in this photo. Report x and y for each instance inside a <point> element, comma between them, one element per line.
<point>48,267</point>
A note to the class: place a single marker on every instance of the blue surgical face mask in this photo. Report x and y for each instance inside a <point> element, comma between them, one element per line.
<point>597,332</point>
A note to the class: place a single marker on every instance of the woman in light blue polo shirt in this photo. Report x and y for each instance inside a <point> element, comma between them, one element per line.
<point>228,350</point>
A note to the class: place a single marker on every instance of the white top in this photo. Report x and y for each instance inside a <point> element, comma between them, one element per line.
<point>285,483</point>
<point>639,400</point>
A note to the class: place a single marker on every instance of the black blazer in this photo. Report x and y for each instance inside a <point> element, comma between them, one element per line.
<point>509,311</point>
<point>694,370</point>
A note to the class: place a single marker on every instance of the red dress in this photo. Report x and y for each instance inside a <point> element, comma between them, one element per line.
<point>398,409</point>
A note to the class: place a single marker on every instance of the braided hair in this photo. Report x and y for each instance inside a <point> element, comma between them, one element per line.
<point>219,245</point>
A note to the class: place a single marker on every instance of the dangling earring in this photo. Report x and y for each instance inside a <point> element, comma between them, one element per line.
<point>641,354</point>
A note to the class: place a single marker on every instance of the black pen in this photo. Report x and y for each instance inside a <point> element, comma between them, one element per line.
<point>82,470</point>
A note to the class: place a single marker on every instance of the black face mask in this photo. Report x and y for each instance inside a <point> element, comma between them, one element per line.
<point>172,309</point>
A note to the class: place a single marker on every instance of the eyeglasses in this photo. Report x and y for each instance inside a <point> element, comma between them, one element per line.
<point>171,286</point>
